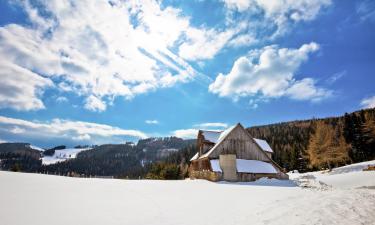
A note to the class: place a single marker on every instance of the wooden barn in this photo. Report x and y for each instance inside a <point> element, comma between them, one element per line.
<point>233,155</point>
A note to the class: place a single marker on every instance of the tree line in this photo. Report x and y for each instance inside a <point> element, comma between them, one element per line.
<point>298,145</point>
<point>321,143</point>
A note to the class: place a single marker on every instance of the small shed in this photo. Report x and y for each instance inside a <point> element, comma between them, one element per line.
<point>233,155</point>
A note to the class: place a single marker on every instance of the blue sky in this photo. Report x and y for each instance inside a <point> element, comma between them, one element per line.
<point>93,72</point>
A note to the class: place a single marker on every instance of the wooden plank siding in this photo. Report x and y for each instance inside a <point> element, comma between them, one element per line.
<point>202,164</point>
<point>239,143</point>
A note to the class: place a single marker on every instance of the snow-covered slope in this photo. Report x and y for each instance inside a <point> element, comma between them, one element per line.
<point>351,176</point>
<point>36,199</point>
<point>36,148</point>
<point>62,155</point>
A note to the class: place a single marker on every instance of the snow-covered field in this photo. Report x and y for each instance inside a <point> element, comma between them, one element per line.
<point>346,177</point>
<point>33,199</point>
<point>62,155</point>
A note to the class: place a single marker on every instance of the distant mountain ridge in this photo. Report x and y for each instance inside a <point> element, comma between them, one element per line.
<point>124,160</point>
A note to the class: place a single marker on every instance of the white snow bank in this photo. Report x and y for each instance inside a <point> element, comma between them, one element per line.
<point>353,167</point>
<point>87,201</point>
<point>265,182</point>
<point>349,180</point>
<point>254,166</point>
<point>351,176</point>
<point>62,155</point>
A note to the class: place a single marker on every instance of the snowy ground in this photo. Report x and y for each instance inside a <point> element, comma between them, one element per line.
<point>35,199</point>
<point>62,155</point>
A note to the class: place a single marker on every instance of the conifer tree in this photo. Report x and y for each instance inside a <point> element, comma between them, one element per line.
<point>327,147</point>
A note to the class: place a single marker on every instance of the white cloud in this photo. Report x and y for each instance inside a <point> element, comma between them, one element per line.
<point>368,102</point>
<point>192,133</point>
<point>17,130</point>
<point>82,137</point>
<point>254,103</point>
<point>243,40</point>
<point>20,88</point>
<point>335,77</point>
<point>211,125</point>
<point>366,10</point>
<point>124,50</point>
<point>186,133</point>
<point>280,12</point>
<point>204,44</point>
<point>269,73</point>
<point>306,89</point>
<point>240,5</point>
<point>66,130</point>
<point>152,122</point>
<point>61,99</point>
<point>94,104</point>
<point>128,48</point>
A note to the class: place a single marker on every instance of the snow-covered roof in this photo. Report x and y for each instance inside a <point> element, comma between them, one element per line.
<point>215,165</point>
<point>195,156</point>
<point>264,145</point>
<point>211,136</point>
<point>219,140</point>
<point>254,166</point>
<point>246,166</point>
<point>218,136</point>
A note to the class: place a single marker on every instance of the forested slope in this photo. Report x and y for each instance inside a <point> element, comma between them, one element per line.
<point>321,143</point>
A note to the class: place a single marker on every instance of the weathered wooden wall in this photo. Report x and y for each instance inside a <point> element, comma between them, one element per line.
<point>239,143</point>
<point>245,177</point>
<point>205,174</point>
<point>203,146</point>
<point>201,164</point>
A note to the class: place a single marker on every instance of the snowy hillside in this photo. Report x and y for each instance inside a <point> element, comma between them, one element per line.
<point>36,199</point>
<point>36,148</point>
<point>62,155</point>
<point>351,176</point>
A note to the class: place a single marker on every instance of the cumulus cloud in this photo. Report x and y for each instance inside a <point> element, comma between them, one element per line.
<point>152,122</point>
<point>269,73</point>
<point>95,104</point>
<point>68,130</point>
<point>306,89</point>
<point>186,133</point>
<point>205,44</point>
<point>243,40</point>
<point>128,48</point>
<point>124,50</point>
<point>368,102</point>
<point>20,88</point>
